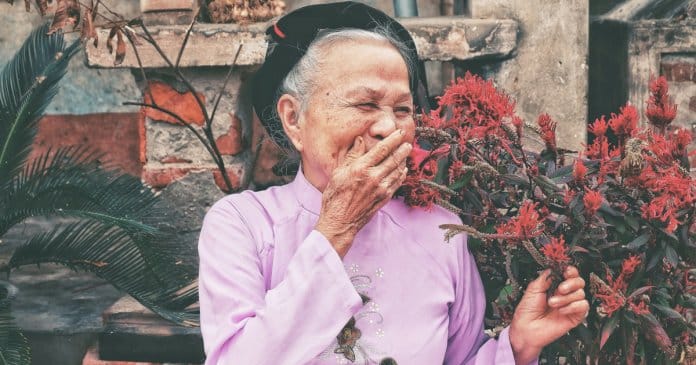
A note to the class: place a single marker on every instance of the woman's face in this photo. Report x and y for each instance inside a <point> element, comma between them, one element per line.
<point>362,89</point>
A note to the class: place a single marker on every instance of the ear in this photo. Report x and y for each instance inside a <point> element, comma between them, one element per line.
<point>289,110</point>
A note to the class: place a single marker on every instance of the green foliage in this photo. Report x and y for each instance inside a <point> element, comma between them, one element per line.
<point>624,215</point>
<point>114,231</point>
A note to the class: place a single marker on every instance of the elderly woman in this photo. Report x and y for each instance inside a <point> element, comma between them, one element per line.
<point>331,268</point>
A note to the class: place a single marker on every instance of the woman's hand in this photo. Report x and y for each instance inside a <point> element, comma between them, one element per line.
<point>539,320</point>
<point>360,186</point>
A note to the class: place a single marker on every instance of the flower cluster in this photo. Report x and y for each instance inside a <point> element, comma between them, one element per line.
<point>623,211</point>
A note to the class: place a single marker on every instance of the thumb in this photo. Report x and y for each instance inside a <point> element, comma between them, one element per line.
<point>357,150</point>
<point>540,284</point>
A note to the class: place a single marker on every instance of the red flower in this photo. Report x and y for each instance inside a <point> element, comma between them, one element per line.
<point>568,196</point>
<point>680,141</point>
<point>599,127</point>
<point>579,171</point>
<point>626,122</point>
<point>660,111</point>
<point>556,250</point>
<point>548,131</point>
<point>628,267</point>
<point>592,201</point>
<point>525,225</point>
<point>610,303</point>
<point>638,308</point>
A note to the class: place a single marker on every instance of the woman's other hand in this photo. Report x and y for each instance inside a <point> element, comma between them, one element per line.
<point>360,186</point>
<point>539,320</point>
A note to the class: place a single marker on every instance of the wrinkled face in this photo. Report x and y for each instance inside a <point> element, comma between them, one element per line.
<point>362,90</point>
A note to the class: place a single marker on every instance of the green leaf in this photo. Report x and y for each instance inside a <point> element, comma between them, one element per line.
<point>14,347</point>
<point>463,181</point>
<point>669,312</point>
<point>515,180</point>
<point>671,255</point>
<point>28,83</point>
<point>115,255</point>
<point>639,241</point>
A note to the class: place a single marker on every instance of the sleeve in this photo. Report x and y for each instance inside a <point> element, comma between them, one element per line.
<point>468,343</point>
<point>241,322</point>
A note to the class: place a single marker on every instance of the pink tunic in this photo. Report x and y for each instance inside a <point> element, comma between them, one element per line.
<point>273,290</point>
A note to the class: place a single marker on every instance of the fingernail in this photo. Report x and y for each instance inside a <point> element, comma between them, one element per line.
<point>402,132</point>
<point>553,301</point>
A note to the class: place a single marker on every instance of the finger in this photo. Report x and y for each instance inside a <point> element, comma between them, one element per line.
<point>571,285</point>
<point>578,308</point>
<point>356,150</point>
<point>395,162</point>
<point>558,301</point>
<point>571,272</point>
<point>384,148</point>
<point>393,181</point>
<point>540,284</point>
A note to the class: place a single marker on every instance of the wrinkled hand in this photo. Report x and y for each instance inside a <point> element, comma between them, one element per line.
<point>538,321</point>
<point>360,186</point>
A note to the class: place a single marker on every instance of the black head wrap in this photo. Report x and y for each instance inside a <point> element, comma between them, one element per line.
<point>292,34</point>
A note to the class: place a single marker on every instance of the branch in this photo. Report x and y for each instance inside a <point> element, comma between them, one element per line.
<point>180,120</point>
<point>186,38</point>
<point>224,84</point>
<point>177,71</point>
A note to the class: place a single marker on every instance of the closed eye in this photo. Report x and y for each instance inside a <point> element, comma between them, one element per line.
<point>403,110</point>
<point>367,106</point>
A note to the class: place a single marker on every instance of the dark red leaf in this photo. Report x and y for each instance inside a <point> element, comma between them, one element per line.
<point>111,36</point>
<point>67,13</point>
<point>607,330</point>
<point>88,31</point>
<point>654,332</point>
<point>120,48</point>
<point>42,6</point>
<point>640,291</point>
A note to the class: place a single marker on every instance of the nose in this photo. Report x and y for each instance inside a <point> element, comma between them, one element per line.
<point>384,125</point>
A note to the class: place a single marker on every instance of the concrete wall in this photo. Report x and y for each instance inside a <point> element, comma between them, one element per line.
<point>549,73</point>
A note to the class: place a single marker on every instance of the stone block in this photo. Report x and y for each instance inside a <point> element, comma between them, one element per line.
<point>549,71</point>
<point>133,333</point>
<point>437,38</point>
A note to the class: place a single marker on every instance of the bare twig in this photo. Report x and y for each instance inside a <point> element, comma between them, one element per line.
<point>180,120</point>
<point>207,129</point>
<point>224,84</point>
<point>186,38</point>
<point>140,67</point>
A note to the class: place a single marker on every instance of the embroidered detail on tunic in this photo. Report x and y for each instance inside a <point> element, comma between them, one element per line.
<point>350,346</point>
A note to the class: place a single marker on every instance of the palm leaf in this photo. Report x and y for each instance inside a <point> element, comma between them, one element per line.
<point>70,182</point>
<point>14,347</point>
<point>112,254</point>
<point>28,83</point>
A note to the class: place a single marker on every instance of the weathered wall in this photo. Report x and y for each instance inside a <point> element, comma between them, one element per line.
<point>84,90</point>
<point>549,72</point>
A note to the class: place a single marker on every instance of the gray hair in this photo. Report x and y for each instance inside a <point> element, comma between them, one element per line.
<point>301,80</point>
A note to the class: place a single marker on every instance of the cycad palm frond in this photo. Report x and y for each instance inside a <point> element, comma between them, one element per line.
<point>27,85</point>
<point>111,253</point>
<point>70,182</point>
<point>14,347</point>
